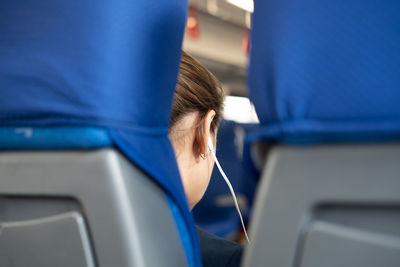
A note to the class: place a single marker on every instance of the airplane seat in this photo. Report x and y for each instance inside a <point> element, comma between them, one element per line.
<point>69,199</point>
<point>324,79</point>
<point>216,211</point>
<point>88,176</point>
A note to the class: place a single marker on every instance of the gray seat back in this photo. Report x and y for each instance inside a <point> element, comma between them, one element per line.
<point>326,206</point>
<point>83,208</point>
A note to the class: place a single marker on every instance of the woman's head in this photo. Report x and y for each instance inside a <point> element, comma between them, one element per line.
<point>196,113</point>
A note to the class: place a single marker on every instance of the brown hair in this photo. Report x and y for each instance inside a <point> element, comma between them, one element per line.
<point>197,90</point>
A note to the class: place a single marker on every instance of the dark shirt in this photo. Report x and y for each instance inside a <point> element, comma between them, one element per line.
<point>218,252</point>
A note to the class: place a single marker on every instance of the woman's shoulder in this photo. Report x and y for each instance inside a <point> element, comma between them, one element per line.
<point>216,251</point>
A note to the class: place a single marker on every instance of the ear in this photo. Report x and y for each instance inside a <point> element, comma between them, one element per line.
<point>202,134</point>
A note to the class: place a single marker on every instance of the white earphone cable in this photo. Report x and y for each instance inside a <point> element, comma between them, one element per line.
<point>232,192</point>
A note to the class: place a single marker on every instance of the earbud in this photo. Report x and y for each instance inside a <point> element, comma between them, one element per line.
<point>211,148</point>
<point>210,144</point>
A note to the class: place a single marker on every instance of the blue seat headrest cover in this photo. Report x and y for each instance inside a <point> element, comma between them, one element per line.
<point>326,70</point>
<point>65,138</point>
<point>106,64</point>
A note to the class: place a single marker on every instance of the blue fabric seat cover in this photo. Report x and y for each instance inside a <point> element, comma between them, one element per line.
<point>105,64</point>
<point>326,71</point>
<point>28,138</point>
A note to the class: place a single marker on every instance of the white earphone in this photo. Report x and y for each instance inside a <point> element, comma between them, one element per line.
<point>211,148</point>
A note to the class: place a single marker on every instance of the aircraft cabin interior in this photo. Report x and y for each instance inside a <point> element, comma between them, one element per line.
<point>222,133</point>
